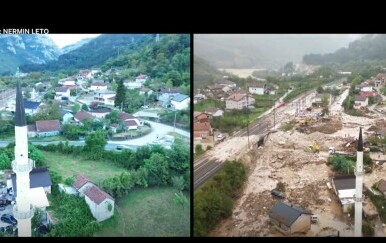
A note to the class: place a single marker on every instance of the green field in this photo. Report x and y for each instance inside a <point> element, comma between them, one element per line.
<point>148,212</point>
<point>208,103</point>
<point>68,165</point>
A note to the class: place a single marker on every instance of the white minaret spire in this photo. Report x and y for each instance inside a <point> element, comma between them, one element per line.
<point>22,166</point>
<point>358,186</point>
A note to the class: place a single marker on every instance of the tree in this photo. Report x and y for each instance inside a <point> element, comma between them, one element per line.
<point>157,167</point>
<point>178,182</point>
<point>75,108</point>
<point>27,94</point>
<point>289,67</point>
<point>95,142</point>
<point>319,90</point>
<point>5,161</point>
<point>120,97</point>
<point>85,107</point>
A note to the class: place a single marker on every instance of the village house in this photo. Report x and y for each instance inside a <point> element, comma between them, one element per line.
<point>202,130</point>
<point>366,88</point>
<point>141,78</point>
<point>100,112</point>
<point>360,102</point>
<point>180,102</point>
<point>110,101</point>
<point>145,91</point>
<point>198,97</point>
<point>367,94</point>
<point>238,101</point>
<point>103,95</point>
<point>100,203</point>
<point>227,83</point>
<point>67,81</point>
<point>130,84</point>
<point>200,117</point>
<point>99,85</point>
<point>61,92</point>
<point>67,116</point>
<point>47,128</point>
<point>318,98</point>
<point>164,96</point>
<point>31,107</point>
<point>82,115</point>
<point>214,111</point>
<point>344,187</point>
<point>289,219</point>
<point>258,88</point>
<point>130,122</point>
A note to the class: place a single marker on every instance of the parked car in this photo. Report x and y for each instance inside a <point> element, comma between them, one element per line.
<point>277,193</point>
<point>7,218</point>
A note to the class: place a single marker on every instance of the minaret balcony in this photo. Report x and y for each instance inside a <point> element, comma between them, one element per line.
<point>23,215</point>
<point>358,199</point>
<point>20,168</point>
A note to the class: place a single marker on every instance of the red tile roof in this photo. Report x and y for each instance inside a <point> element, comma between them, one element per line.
<point>98,84</point>
<point>47,126</point>
<point>81,115</point>
<point>198,126</point>
<point>141,76</point>
<point>236,97</point>
<point>97,195</point>
<point>80,180</point>
<point>130,123</point>
<point>124,116</point>
<point>367,94</point>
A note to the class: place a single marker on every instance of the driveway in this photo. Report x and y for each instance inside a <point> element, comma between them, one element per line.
<point>158,130</point>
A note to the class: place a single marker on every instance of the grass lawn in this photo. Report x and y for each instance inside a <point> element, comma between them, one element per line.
<point>148,212</point>
<point>68,165</point>
<point>208,103</point>
<point>52,138</point>
<point>179,136</point>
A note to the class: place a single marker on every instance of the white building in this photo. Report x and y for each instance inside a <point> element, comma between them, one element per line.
<point>100,203</point>
<point>367,89</point>
<point>103,95</point>
<point>258,88</point>
<point>361,102</point>
<point>344,187</point>
<point>141,78</point>
<point>61,92</point>
<point>98,86</point>
<point>110,101</point>
<point>180,102</point>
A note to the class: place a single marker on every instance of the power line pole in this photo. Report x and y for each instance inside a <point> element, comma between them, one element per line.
<point>248,117</point>
<point>175,116</point>
<point>274,114</point>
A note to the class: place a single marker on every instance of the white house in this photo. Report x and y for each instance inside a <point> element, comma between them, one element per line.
<point>180,101</point>
<point>67,117</point>
<point>258,88</point>
<point>98,86</point>
<point>141,78</point>
<point>132,84</point>
<point>110,101</point>
<point>100,203</point>
<point>361,102</point>
<point>103,95</point>
<point>61,92</point>
<point>146,91</point>
<point>367,89</point>
<point>67,81</point>
<point>131,122</point>
<point>344,187</point>
<point>214,111</point>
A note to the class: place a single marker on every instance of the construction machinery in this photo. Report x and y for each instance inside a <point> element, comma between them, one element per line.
<point>313,148</point>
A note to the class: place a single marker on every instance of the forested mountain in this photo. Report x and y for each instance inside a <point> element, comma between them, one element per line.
<point>369,47</point>
<point>68,48</point>
<point>95,52</point>
<point>16,50</point>
<point>264,50</point>
<point>204,73</point>
<point>167,60</point>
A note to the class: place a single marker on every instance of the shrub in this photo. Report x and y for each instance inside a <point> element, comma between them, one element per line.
<point>280,186</point>
<point>367,229</point>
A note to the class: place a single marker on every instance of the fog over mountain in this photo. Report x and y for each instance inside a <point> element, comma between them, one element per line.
<point>265,50</point>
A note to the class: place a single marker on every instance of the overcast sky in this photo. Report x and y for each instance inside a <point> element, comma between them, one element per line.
<point>62,40</point>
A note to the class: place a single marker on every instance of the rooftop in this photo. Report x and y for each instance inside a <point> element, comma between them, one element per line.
<point>344,182</point>
<point>286,213</point>
<point>96,194</point>
<point>39,177</point>
<point>47,125</point>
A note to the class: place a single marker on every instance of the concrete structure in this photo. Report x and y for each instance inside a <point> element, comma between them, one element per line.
<point>214,111</point>
<point>289,219</point>
<point>359,187</point>
<point>382,186</point>
<point>22,165</point>
<point>238,101</point>
<point>62,92</point>
<point>67,117</point>
<point>258,88</point>
<point>344,187</point>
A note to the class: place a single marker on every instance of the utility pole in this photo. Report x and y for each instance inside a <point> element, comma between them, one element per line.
<point>274,114</point>
<point>248,118</point>
<point>175,116</point>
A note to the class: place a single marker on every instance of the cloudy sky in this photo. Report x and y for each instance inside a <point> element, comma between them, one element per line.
<point>62,40</point>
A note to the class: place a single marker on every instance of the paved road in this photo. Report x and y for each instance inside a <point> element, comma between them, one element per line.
<point>158,129</point>
<point>205,166</point>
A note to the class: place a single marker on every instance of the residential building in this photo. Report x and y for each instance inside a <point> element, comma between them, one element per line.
<point>31,107</point>
<point>100,112</point>
<point>61,92</point>
<point>227,83</point>
<point>99,85</point>
<point>200,117</point>
<point>361,102</point>
<point>110,101</point>
<point>130,122</point>
<point>100,203</point>
<point>214,111</point>
<point>141,79</point>
<point>67,117</point>
<point>47,128</point>
<point>202,130</point>
<point>82,115</point>
<point>289,219</point>
<point>103,95</point>
<point>180,102</point>
<point>367,88</point>
<point>31,131</point>
<point>258,88</point>
<point>145,91</point>
<point>344,187</point>
<point>166,95</point>
<point>238,101</point>
<point>129,84</point>
<point>367,94</point>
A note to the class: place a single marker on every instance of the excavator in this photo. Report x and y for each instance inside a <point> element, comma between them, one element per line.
<point>313,148</point>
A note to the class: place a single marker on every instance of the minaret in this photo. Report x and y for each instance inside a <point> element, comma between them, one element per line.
<point>358,187</point>
<point>22,166</point>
